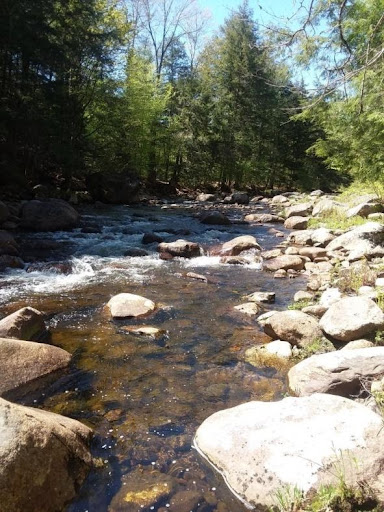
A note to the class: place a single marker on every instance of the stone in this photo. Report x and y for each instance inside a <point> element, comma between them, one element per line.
<point>353,345</point>
<point>367,291</point>
<point>364,209</point>
<point>206,197</point>
<point>300,210</point>
<point>116,187</point>
<point>8,245</point>
<point>294,326</point>
<point>197,277</point>
<point>44,459</point>
<point>263,218</point>
<point>329,297</point>
<point>296,223</point>
<point>25,324</point>
<point>279,348</point>
<point>284,262</point>
<point>48,215</point>
<point>352,318</point>
<point>379,282</point>
<point>248,308</point>
<point>302,295</point>
<point>24,363</point>
<point>360,241</point>
<point>215,218</point>
<point>127,305</point>
<point>280,274</point>
<point>265,316</point>
<point>145,330</point>
<point>261,297</point>
<point>185,501</point>
<point>239,244</point>
<point>322,236</point>
<point>292,251</point>
<point>325,206</point>
<point>181,248</point>
<point>312,252</point>
<point>142,489</point>
<point>273,253</point>
<point>315,310</point>
<point>316,193</point>
<point>279,199</point>
<point>262,448</point>
<point>239,198</point>
<point>240,260</point>
<point>342,372</point>
<point>151,238</point>
<point>301,237</point>
<point>7,261</point>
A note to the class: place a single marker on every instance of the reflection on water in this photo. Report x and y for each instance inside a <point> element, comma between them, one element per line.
<point>145,395</point>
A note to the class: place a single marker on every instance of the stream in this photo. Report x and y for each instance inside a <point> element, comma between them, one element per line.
<point>145,397</point>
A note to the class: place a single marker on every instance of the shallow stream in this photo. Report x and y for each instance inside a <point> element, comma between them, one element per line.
<point>145,397</point>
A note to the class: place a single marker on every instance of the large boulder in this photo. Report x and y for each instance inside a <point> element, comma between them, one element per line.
<point>239,244</point>
<point>8,245</point>
<point>238,198</point>
<point>115,187</point>
<point>343,372</point>
<point>352,318</point>
<point>215,218</point>
<point>128,305</point>
<point>365,240</point>
<point>23,364</point>
<point>294,326</point>
<point>180,248</point>
<point>326,206</point>
<point>296,222</point>
<point>205,197</point>
<point>322,236</point>
<point>299,210</point>
<point>25,324</point>
<point>364,209</point>
<point>44,458</point>
<point>262,448</point>
<point>301,237</point>
<point>48,215</point>
<point>284,262</point>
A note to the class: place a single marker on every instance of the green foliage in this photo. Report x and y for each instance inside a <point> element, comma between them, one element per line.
<point>300,304</point>
<point>336,219</point>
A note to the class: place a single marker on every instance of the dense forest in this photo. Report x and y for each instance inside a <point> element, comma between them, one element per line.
<point>98,88</point>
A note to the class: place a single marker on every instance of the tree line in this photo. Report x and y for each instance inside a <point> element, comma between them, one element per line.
<point>137,87</point>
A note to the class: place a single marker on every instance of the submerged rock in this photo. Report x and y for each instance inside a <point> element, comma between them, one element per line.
<point>25,324</point>
<point>44,458</point>
<point>261,297</point>
<point>127,305</point>
<point>248,308</point>
<point>298,443</point>
<point>343,372</point>
<point>24,363</point>
<point>352,318</point>
<point>48,215</point>
<point>214,218</point>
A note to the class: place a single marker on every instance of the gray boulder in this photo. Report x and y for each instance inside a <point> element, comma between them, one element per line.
<point>23,364</point>
<point>364,209</point>
<point>180,248</point>
<point>263,218</point>
<point>296,222</point>
<point>206,197</point>
<point>284,262</point>
<point>327,205</point>
<point>215,218</point>
<point>294,326</point>
<point>239,244</point>
<point>48,215</point>
<point>342,372</point>
<point>262,448</point>
<point>361,241</point>
<point>25,324</point>
<point>352,318</point>
<point>44,458</point>
<point>237,198</point>
<point>299,210</point>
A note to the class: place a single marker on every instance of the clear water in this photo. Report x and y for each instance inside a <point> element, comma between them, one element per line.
<point>145,397</point>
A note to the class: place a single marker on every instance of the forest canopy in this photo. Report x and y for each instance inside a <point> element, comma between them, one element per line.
<point>138,87</point>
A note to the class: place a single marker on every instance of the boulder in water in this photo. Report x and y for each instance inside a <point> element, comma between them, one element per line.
<point>239,244</point>
<point>44,458</point>
<point>180,248</point>
<point>128,305</point>
<point>8,245</point>
<point>25,324</point>
<point>48,215</point>
<point>214,218</point>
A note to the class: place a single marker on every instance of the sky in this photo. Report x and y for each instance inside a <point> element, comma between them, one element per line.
<point>265,11</point>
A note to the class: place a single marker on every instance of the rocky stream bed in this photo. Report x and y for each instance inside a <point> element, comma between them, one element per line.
<point>146,380</point>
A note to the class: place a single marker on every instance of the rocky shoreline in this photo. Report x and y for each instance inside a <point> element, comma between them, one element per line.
<point>334,327</point>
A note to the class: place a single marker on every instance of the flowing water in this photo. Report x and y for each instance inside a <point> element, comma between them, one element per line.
<point>144,397</point>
